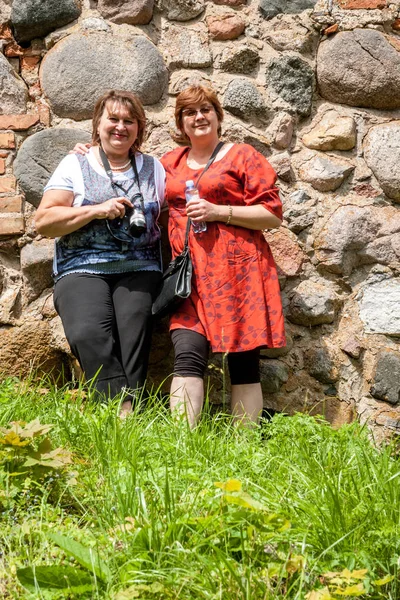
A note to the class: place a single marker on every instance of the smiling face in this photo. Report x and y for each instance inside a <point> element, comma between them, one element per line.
<point>117,129</point>
<point>199,121</point>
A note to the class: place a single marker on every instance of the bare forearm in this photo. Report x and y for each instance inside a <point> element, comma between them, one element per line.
<point>61,220</point>
<point>251,217</point>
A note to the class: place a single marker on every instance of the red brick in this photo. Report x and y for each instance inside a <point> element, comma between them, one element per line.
<point>29,62</point>
<point>7,140</point>
<point>225,27</point>
<point>396,25</point>
<point>364,4</point>
<point>44,113</point>
<point>13,49</point>
<point>5,32</point>
<point>331,29</point>
<point>2,166</point>
<point>18,122</point>
<point>11,225</point>
<point>7,185</point>
<point>11,204</point>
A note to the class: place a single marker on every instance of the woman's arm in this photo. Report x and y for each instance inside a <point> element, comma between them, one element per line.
<point>252,217</point>
<point>56,216</point>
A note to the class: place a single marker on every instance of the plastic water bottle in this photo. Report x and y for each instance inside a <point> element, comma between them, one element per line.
<point>191,193</point>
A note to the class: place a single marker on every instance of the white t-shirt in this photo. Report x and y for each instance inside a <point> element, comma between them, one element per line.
<point>68,176</point>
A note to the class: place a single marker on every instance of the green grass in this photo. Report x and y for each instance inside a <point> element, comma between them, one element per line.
<point>149,509</point>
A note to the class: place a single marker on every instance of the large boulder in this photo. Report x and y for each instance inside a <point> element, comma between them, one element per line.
<point>81,67</point>
<point>133,12</point>
<point>40,154</point>
<point>382,154</point>
<point>360,68</point>
<point>292,79</point>
<point>13,91</point>
<point>32,19</point>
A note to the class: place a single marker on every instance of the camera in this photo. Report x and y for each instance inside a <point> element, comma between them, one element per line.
<point>135,216</point>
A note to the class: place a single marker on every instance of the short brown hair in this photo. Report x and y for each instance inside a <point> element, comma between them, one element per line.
<point>196,94</point>
<point>129,101</point>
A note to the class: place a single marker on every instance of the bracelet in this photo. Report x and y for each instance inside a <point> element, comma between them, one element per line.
<point>230,215</point>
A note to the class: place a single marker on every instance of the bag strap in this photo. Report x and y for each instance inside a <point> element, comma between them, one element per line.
<point>209,163</point>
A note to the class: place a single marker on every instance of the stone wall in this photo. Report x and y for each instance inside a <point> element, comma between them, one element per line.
<point>313,85</point>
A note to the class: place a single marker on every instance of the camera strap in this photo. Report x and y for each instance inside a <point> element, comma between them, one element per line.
<point>115,231</point>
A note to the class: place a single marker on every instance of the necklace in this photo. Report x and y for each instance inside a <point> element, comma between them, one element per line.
<point>122,167</point>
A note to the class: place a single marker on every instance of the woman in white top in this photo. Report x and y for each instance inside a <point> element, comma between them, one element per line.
<point>103,210</point>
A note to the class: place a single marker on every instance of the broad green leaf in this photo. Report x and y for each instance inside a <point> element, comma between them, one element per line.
<point>295,563</point>
<point>87,557</point>
<point>323,594</point>
<point>136,591</point>
<point>232,485</point>
<point>55,577</point>
<point>352,590</point>
<point>384,581</point>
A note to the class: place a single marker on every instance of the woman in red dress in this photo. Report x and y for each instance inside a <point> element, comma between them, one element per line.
<point>235,305</point>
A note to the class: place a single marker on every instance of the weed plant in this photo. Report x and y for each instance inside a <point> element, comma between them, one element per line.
<point>145,508</point>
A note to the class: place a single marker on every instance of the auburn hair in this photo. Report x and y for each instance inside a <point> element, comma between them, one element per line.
<point>120,98</point>
<point>196,94</point>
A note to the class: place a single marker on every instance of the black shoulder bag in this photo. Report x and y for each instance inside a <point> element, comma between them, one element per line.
<point>176,284</point>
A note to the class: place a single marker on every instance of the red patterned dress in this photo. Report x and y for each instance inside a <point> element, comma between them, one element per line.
<point>235,301</point>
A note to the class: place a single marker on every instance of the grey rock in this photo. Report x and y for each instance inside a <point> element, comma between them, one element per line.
<point>382,154</point>
<point>299,217</point>
<point>132,12</point>
<point>271,8</point>
<point>312,304</point>
<point>356,235</point>
<point>324,173</point>
<point>181,10</point>
<point>36,265</point>
<point>379,302</point>
<point>80,68</point>
<point>352,347</point>
<point>371,65</point>
<point>243,100</point>
<point>13,91</point>
<point>182,79</point>
<point>32,19</point>
<point>237,134</point>
<point>282,165</point>
<point>186,47</point>
<point>332,131</point>
<point>273,375</point>
<point>320,364</point>
<point>239,59</point>
<point>38,157</point>
<point>95,24</point>
<point>299,197</point>
<point>386,385</point>
<point>292,79</point>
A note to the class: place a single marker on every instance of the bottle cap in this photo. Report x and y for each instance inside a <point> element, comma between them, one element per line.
<point>190,183</point>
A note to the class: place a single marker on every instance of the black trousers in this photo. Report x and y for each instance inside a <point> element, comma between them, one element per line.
<point>108,324</point>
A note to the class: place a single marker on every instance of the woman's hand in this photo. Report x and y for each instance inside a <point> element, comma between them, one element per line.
<point>112,209</point>
<point>201,210</point>
<point>80,148</point>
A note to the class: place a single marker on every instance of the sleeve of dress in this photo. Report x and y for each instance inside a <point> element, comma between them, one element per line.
<point>259,182</point>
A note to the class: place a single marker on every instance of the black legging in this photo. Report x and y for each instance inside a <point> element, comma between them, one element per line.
<point>107,322</point>
<point>191,355</point>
